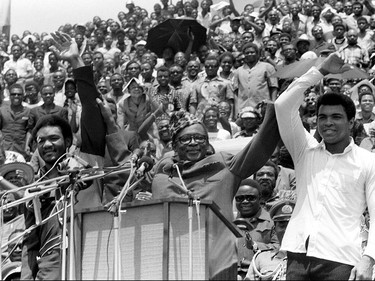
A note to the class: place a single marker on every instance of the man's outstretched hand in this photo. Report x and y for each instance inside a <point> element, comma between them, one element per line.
<point>333,64</point>
<point>66,48</point>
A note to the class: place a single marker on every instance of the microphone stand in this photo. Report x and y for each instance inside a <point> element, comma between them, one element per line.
<point>39,188</point>
<point>114,207</point>
<point>69,194</point>
<point>191,197</point>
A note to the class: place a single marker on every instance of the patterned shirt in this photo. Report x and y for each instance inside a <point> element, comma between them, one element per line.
<point>354,55</point>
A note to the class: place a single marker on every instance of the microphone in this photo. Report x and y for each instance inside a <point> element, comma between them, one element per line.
<point>171,169</point>
<point>137,154</point>
<point>84,163</point>
<point>6,184</point>
<point>145,164</point>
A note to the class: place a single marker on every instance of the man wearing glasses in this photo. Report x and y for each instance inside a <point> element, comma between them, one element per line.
<point>13,121</point>
<point>261,232</point>
<point>215,177</point>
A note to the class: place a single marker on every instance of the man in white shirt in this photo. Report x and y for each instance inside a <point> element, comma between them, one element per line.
<point>22,66</point>
<point>335,182</point>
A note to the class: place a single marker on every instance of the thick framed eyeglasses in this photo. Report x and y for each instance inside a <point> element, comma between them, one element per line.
<point>186,139</point>
<point>241,198</point>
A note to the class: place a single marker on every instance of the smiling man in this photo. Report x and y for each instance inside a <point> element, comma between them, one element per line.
<point>53,136</point>
<point>262,235</point>
<point>214,177</point>
<point>13,121</point>
<point>335,183</point>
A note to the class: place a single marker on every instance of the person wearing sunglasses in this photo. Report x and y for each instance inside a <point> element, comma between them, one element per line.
<point>261,236</point>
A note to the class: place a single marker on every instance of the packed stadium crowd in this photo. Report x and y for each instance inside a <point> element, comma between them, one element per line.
<point>288,86</point>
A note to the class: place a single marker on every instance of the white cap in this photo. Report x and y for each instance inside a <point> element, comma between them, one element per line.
<point>140,43</point>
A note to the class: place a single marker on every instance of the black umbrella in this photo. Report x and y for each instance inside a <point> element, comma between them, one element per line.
<point>174,33</point>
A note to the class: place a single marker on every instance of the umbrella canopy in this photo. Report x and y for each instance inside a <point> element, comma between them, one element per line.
<point>299,68</point>
<point>174,33</point>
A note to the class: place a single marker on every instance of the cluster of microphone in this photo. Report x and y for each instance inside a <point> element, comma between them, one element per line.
<point>143,162</point>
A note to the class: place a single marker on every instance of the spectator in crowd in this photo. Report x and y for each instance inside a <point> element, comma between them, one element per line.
<point>213,89</point>
<point>254,81</point>
<point>116,82</point>
<point>47,108</point>
<point>22,66</point>
<point>210,120</point>
<point>13,121</point>
<point>272,263</point>
<point>32,96</point>
<point>261,235</point>
<point>352,53</point>
<point>366,102</point>
<point>249,120</point>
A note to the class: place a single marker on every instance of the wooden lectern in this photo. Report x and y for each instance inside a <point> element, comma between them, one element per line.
<point>154,241</point>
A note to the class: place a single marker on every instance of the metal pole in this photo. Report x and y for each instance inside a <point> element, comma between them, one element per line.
<point>190,217</point>
<point>63,243</point>
<point>71,239</point>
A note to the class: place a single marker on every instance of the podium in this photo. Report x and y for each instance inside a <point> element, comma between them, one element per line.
<point>154,241</point>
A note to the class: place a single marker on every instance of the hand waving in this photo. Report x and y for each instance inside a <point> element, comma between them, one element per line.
<point>64,46</point>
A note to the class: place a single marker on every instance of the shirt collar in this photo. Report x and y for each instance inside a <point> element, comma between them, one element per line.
<point>216,78</point>
<point>347,149</point>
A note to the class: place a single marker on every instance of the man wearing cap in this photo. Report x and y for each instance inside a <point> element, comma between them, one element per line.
<point>270,263</point>
<point>140,49</point>
<point>130,6</point>
<point>249,120</point>
<point>134,108</point>
<point>19,174</point>
<point>303,46</point>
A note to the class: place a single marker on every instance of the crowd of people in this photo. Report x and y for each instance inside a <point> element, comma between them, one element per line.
<point>98,90</point>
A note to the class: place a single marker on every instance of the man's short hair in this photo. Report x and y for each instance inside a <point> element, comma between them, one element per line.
<point>54,121</point>
<point>32,83</point>
<point>339,25</point>
<point>163,69</point>
<point>250,45</point>
<point>46,86</point>
<point>362,18</point>
<point>97,52</point>
<point>30,52</point>
<point>361,94</point>
<point>130,63</point>
<point>252,183</point>
<point>357,3</point>
<point>16,45</point>
<point>269,163</point>
<point>286,35</point>
<point>227,54</point>
<point>338,99</point>
<point>15,86</point>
